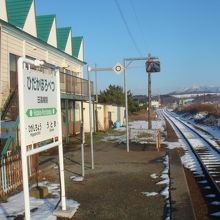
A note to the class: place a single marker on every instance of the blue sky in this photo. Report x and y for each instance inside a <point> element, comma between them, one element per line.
<point>185,35</point>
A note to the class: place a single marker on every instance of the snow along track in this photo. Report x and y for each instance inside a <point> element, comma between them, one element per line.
<point>206,160</point>
<point>207,138</point>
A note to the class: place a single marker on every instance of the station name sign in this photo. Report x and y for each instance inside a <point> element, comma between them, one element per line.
<point>40,106</point>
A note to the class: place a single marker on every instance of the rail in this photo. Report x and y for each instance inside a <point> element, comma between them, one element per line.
<point>207,159</point>
<point>215,148</point>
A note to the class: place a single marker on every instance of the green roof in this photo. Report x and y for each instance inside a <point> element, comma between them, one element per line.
<point>44,25</point>
<point>76,43</point>
<point>17,11</point>
<point>62,37</point>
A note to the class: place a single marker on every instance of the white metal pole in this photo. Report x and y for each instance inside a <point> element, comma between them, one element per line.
<point>61,163</point>
<point>126,105</point>
<point>83,161</point>
<point>96,101</point>
<point>82,148</point>
<point>90,118</point>
<point>5,188</point>
<point>82,137</point>
<point>23,145</point>
<point>96,87</point>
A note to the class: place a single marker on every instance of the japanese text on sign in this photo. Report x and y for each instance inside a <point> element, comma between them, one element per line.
<point>40,106</point>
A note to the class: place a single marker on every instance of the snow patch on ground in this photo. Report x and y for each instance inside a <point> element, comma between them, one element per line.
<point>200,115</point>
<point>212,130</point>
<point>149,193</point>
<point>77,178</point>
<point>154,176</point>
<point>165,177</point>
<point>165,194</point>
<point>138,132</point>
<point>173,145</point>
<point>166,191</point>
<point>159,124</point>
<point>190,162</point>
<point>216,214</point>
<point>215,203</point>
<point>41,208</point>
<point>119,139</point>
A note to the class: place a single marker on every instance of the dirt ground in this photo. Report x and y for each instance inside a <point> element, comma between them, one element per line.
<point>142,115</point>
<point>113,190</point>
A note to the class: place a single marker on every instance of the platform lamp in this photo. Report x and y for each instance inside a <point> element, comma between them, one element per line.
<point>152,66</point>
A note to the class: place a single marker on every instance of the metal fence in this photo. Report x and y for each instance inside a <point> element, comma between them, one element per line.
<point>74,85</point>
<point>11,172</point>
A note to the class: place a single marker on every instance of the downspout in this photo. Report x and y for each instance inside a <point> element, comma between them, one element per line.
<point>74,117</point>
<point>66,121</point>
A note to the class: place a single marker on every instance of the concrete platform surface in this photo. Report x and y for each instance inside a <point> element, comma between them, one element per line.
<point>68,213</point>
<point>181,203</point>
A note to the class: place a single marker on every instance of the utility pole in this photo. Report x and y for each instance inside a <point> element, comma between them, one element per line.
<point>152,66</point>
<point>149,101</point>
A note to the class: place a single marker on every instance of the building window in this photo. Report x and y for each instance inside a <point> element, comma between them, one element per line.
<point>61,77</point>
<point>13,71</point>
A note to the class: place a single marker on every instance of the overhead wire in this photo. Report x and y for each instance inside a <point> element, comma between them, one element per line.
<point>137,19</point>
<point>127,28</point>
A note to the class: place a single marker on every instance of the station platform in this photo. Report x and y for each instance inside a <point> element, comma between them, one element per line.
<point>181,203</point>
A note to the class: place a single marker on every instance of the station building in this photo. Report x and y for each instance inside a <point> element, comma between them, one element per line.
<point>24,33</point>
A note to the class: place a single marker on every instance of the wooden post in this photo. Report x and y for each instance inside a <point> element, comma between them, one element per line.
<point>158,140</point>
<point>129,133</point>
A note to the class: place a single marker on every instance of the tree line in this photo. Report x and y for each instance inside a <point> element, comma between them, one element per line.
<point>114,95</point>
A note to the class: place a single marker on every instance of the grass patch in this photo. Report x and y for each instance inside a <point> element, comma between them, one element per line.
<point>144,135</point>
<point>4,198</point>
<point>99,136</point>
<point>200,107</point>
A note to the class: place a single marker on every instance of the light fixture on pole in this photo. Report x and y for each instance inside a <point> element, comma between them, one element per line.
<point>89,69</point>
<point>129,60</point>
<point>117,69</point>
<point>152,66</point>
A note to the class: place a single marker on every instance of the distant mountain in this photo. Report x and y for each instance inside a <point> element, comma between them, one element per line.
<point>140,98</point>
<point>197,90</point>
<point>143,98</point>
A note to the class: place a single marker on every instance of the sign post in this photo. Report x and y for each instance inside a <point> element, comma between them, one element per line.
<point>40,119</point>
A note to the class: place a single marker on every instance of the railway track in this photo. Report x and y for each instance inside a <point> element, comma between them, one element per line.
<point>203,135</point>
<point>204,161</point>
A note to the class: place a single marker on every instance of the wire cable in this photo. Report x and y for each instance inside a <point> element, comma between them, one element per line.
<point>127,28</point>
<point>137,19</point>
